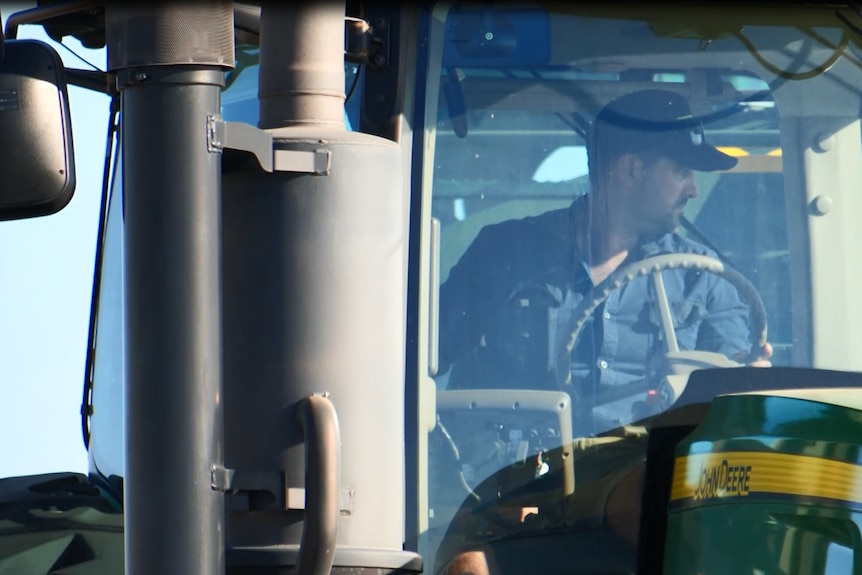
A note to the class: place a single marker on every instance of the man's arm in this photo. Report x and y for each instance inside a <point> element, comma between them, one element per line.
<point>468,295</point>
<point>726,329</point>
<point>504,258</point>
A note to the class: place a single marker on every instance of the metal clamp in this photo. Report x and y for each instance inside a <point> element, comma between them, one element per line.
<point>223,135</point>
<point>221,478</point>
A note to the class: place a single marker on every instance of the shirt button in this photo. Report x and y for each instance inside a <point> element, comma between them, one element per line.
<point>607,315</point>
<point>602,364</point>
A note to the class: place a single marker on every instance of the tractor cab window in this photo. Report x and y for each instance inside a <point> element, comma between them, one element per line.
<point>107,429</point>
<point>624,196</point>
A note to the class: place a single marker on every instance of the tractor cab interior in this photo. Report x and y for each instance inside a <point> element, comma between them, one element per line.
<point>511,94</point>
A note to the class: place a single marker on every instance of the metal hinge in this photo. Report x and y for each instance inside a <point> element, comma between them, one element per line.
<point>366,43</point>
<point>223,135</point>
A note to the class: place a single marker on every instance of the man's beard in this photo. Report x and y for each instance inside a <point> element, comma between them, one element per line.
<point>662,225</point>
<point>674,217</point>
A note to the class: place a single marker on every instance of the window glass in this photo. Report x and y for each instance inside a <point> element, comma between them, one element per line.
<point>107,430</point>
<point>564,146</point>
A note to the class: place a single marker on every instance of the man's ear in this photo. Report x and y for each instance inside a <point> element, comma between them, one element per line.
<point>630,169</point>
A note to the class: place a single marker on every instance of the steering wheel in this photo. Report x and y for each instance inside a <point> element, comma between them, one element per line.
<point>679,363</point>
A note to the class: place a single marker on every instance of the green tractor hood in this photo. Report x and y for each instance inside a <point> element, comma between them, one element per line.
<point>59,523</point>
<point>770,482</point>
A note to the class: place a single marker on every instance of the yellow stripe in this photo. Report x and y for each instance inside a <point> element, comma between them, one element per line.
<point>733,151</point>
<point>728,476</point>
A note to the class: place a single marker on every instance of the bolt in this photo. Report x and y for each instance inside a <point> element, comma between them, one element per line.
<point>139,76</point>
<point>823,143</point>
<point>821,205</point>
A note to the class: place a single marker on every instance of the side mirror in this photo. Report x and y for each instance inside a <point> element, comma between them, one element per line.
<point>37,161</point>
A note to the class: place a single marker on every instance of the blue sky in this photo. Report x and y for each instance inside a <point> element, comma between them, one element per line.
<point>46,273</point>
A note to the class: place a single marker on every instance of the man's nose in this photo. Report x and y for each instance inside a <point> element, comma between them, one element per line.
<point>690,186</point>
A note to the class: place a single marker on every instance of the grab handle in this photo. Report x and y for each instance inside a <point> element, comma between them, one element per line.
<point>319,422</point>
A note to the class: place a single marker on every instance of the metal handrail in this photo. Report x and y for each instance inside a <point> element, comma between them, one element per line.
<point>320,428</point>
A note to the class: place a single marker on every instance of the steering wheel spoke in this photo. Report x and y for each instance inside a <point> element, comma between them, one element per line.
<point>678,364</point>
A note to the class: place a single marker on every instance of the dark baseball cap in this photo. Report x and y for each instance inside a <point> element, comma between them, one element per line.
<point>655,120</point>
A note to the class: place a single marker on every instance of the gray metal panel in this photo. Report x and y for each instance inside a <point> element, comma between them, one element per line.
<point>313,302</point>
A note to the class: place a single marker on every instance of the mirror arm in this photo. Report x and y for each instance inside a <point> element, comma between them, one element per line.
<point>97,81</point>
<point>42,13</point>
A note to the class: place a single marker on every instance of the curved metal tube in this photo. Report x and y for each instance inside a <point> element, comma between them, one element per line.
<point>319,422</point>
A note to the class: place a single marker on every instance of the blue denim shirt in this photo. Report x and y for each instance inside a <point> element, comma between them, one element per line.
<point>505,302</point>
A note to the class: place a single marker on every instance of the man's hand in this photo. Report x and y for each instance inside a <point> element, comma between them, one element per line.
<point>763,360</point>
<point>474,562</point>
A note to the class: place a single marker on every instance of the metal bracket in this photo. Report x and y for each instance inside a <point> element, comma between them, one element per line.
<point>223,135</point>
<point>232,481</point>
<point>378,48</point>
<point>221,478</point>
<point>365,43</point>
<point>294,498</point>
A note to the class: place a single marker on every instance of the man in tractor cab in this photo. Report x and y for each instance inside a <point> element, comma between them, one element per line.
<point>507,302</point>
